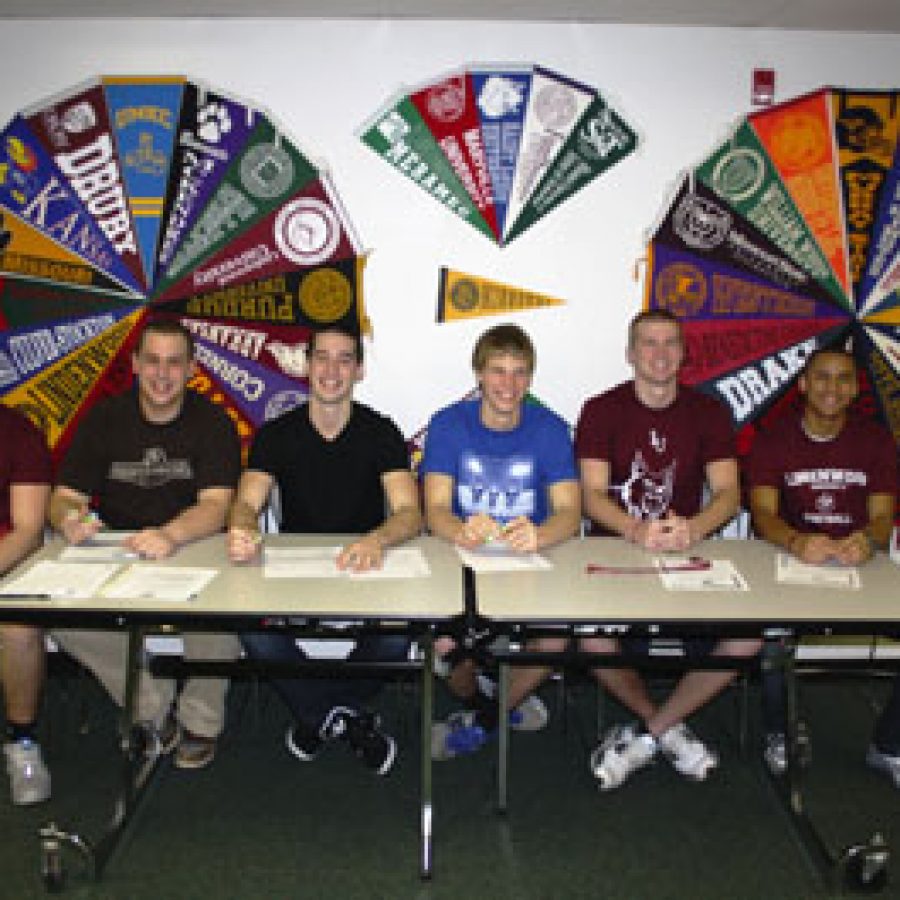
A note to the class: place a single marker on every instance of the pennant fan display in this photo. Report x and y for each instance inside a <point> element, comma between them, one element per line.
<point>784,239</point>
<point>129,197</point>
<point>500,146</point>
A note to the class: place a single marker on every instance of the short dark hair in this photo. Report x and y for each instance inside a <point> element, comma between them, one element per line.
<point>653,315</point>
<point>829,351</point>
<point>503,339</point>
<point>354,336</point>
<point>166,326</point>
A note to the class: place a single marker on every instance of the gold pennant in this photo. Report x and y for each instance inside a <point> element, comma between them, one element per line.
<point>462,296</point>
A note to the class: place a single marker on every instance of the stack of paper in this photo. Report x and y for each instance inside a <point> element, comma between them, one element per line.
<point>790,570</point>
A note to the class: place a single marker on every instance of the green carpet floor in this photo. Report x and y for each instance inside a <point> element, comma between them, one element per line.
<point>259,824</point>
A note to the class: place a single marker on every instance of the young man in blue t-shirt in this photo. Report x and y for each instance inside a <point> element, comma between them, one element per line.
<point>498,470</point>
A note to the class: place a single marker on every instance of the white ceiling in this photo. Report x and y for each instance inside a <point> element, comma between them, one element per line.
<point>816,15</point>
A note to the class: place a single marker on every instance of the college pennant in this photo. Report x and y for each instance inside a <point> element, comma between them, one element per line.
<point>463,296</point>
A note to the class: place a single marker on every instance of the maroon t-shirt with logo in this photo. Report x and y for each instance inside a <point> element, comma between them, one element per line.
<point>824,486</point>
<point>657,457</point>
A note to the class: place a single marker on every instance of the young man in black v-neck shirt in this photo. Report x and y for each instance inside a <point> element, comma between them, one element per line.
<point>339,468</point>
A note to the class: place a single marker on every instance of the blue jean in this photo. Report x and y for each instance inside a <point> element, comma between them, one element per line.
<point>311,699</point>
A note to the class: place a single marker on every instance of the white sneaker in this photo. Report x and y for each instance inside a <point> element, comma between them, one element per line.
<point>621,752</point>
<point>884,762</point>
<point>687,753</point>
<point>530,715</point>
<point>29,778</point>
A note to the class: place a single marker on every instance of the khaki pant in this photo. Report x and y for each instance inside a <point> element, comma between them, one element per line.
<point>201,703</point>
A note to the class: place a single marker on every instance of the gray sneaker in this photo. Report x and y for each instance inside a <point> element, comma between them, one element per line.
<point>623,751</point>
<point>29,778</point>
<point>688,755</point>
<point>884,762</point>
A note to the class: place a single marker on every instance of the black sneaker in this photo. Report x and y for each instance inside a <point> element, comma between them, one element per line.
<point>376,749</point>
<point>303,742</point>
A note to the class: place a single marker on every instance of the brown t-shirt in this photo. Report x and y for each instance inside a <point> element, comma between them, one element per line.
<point>142,475</point>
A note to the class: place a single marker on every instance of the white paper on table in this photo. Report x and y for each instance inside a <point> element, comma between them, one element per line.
<point>790,570</point>
<point>494,559</point>
<point>62,580</point>
<point>720,576</point>
<point>142,580</point>
<point>106,551</point>
<point>319,562</point>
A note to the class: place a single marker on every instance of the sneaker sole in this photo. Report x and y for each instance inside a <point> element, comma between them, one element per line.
<point>296,751</point>
<point>389,760</point>
<point>31,798</point>
<point>196,762</point>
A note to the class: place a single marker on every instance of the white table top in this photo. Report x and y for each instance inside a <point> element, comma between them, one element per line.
<point>241,590</point>
<point>566,594</point>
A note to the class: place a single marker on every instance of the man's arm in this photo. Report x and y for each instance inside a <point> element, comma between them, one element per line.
<point>806,546</point>
<point>443,522</point>
<point>404,521</point>
<point>243,518</point>
<point>564,498</point>
<point>862,545</point>
<point>203,518</point>
<point>881,519</point>
<point>724,500</point>
<point>598,504</point>
<point>28,512</point>
<point>70,515</point>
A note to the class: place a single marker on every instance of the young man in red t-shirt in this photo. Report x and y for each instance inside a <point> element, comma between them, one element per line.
<point>647,449</point>
<point>25,477</point>
<point>823,487</point>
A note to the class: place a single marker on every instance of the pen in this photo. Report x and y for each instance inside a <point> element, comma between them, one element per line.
<point>504,529</point>
<point>693,564</point>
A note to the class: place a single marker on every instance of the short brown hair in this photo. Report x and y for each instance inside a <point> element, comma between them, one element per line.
<point>338,329</point>
<point>166,326</point>
<point>653,315</point>
<point>503,339</point>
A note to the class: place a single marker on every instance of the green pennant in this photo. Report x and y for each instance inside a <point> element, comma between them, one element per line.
<point>741,173</point>
<point>600,140</point>
<point>400,137</point>
<point>268,171</point>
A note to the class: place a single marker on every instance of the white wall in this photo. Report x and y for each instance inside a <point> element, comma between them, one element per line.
<point>680,87</point>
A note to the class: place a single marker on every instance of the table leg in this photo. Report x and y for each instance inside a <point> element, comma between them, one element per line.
<point>427,717</point>
<point>502,737</point>
<point>859,867</point>
<point>137,770</point>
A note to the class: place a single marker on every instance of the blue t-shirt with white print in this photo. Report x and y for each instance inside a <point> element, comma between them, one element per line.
<point>503,474</point>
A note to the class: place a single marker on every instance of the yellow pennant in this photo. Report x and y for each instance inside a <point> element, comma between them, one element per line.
<point>53,397</point>
<point>463,296</point>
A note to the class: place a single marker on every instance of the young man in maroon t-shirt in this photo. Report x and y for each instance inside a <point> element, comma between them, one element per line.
<point>823,486</point>
<point>25,477</point>
<point>647,449</point>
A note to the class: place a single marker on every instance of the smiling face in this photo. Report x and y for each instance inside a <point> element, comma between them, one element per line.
<point>162,366</point>
<point>829,385</point>
<point>334,369</point>
<point>504,381</point>
<point>656,353</point>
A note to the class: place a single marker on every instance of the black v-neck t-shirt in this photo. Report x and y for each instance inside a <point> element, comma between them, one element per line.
<point>330,486</point>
